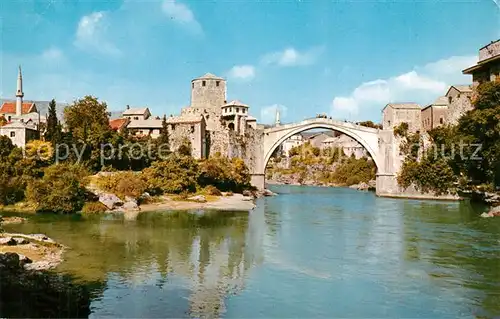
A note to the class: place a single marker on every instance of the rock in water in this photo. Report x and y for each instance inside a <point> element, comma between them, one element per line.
<point>198,198</point>
<point>110,200</point>
<point>485,215</point>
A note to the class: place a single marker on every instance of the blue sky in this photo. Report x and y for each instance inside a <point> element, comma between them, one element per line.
<point>344,58</point>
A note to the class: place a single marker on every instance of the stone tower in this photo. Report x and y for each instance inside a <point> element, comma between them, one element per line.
<point>19,94</point>
<point>208,91</point>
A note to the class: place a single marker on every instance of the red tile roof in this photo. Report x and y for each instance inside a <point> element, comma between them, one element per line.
<point>118,123</point>
<point>10,108</point>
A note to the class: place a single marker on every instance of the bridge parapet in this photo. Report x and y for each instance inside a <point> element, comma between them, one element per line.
<point>327,122</point>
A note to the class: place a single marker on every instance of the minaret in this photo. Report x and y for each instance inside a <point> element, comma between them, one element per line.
<point>277,122</point>
<point>19,94</point>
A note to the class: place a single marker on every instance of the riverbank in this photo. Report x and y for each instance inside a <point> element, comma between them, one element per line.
<point>235,202</point>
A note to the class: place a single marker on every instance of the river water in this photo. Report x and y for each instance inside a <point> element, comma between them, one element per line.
<point>309,252</point>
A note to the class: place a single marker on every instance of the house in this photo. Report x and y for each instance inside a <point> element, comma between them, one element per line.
<point>20,132</point>
<point>137,114</point>
<point>459,102</point>
<point>396,113</point>
<point>434,115</point>
<point>488,67</point>
<point>348,145</point>
<point>119,124</point>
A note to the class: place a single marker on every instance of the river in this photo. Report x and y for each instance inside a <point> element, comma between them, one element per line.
<point>309,252</point>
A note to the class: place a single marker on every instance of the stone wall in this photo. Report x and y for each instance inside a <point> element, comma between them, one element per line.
<point>489,51</point>
<point>392,117</point>
<point>211,95</point>
<point>192,132</point>
<point>460,103</point>
<point>433,116</point>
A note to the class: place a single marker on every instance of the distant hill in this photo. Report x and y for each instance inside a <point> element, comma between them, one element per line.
<point>43,108</point>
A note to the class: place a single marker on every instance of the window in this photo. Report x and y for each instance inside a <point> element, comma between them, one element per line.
<point>237,110</point>
<point>172,126</point>
<point>230,109</point>
<point>9,118</point>
<point>192,128</point>
<point>243,110</point>
<point>203,83</point>
<point>217,83</point>
<point>12,134</point>
<point>441,120</point>
<point>192,85</point>
<point>450,99</point>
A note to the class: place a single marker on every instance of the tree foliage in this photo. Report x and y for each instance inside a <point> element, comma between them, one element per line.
<point>61,190</point>
<point>53,131</point>
<point>176,174</point>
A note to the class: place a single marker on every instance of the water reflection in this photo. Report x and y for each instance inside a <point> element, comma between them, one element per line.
<point>310,252</point>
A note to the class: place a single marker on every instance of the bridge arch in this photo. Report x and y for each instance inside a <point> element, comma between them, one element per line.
<point>367,137</point>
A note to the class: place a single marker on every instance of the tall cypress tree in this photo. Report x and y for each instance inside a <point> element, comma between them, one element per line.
<point>163,138</point>
<point>53,132</point>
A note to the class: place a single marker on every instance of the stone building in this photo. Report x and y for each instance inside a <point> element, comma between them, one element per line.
<point>191,129</point>
<point>293,141</point>
<point>348,145</point>
<point>459,102</point>
<point>136,114</point>
<point>142,128</point>
<point>209,124</point>
<point>19,132</point>
<point>396,113</point>
<point>488,66</point>
<point>434,115</point>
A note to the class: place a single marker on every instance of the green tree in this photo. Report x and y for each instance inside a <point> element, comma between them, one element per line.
<point>163,138</point>
<point>87,120</point>
<point>53,130</point>
<point>61,190</point>
<point>174,175</point>
<point>482,126</point>
<point>3,120</point>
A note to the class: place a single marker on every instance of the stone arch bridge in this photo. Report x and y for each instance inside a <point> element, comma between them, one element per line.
<point>380,144</point>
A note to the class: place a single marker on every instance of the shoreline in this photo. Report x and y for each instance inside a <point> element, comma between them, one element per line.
<point>236,202</point>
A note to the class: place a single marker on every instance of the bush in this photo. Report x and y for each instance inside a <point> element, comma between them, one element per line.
<point>123,184</point>
<point>225,174</point>
<point>173,176</point>
<point>93,208</point>
<point>61,190</point>
<point>211,190</point>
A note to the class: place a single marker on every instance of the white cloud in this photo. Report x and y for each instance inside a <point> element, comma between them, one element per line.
<point>91,34</point>
<point>243,72</point>
<point>180,13</point>
<point>52,54</point>
<point>421,85</point>
<point>268,113</point>
<point>292,57</point>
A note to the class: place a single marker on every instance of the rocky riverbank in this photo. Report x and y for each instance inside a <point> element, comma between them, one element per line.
<point>35,252</point>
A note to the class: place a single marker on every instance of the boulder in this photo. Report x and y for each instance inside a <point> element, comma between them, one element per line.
<point>485,215</point>
<point>41,237</point>
<point>23,260</point>
<point>247,193</point>
<point>9,241</point>
<point>247,198</point>
<point>21,241</point>
<point>267,192</point>
<point>198,198</point>
<point>130,204</point>
<point>110,200</point>
<point>494,211</point>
